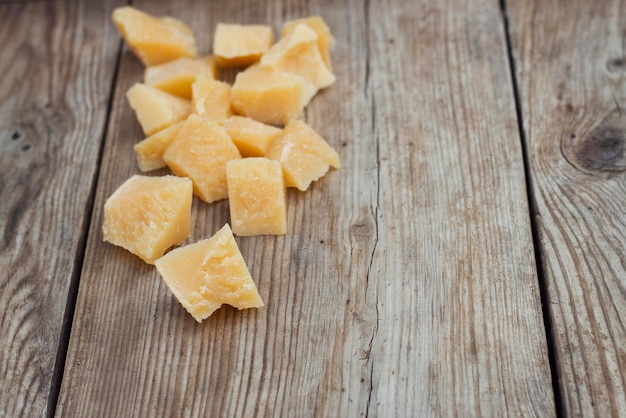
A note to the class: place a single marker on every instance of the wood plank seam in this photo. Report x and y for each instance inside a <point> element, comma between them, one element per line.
<point>68,317</point>
<point>533,215</point>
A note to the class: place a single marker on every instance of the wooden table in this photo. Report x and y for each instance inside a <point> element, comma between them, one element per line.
<point>468,259</point>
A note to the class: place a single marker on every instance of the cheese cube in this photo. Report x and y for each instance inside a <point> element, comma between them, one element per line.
<point>256,196</point>
<point>298,53</point>
<point>200,151</point>
<point>209,273</point>
<point>156,109</point>
<point>269,96</point>
<point>325,40</point>
<point>251,137</point>
<point>150,151</point>
<point>154,40</point>
<point>176,77</point>
<point>211,98</point>
<point>148,215</point>
<point>303,154</point>
<point>241,45</point>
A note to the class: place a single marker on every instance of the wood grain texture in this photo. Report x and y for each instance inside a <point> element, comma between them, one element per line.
<point>57,65</point>
<point>406,285</point>
<point>463,314</point>
<point>570,58</point>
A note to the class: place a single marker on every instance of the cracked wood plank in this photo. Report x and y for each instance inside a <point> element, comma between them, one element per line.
<point>406,284</point>
<point>571,78</point>
<point>57,65</point>
<point>460,329</point>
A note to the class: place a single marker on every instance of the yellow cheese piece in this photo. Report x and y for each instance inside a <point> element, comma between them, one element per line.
<point>303,154</point>
<point>150,151</point>
<point>200,151</point>
<point>325,40</point>
<point>256,196</point>
<point>208,274</point>
<point>148,215</point>
<point>269,96</point>
<point>176,77</point>
<point>211,98</point>
<point>241,45</point>
<point>154,40</point>
<point>249,136</point>
<point>298,53</point>
<point>156,109</point>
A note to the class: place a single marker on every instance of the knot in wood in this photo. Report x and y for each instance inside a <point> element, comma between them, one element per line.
<point>602,150</point>
<point>616,65</point>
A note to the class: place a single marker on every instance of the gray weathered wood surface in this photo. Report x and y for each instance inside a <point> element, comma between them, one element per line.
<point>572,77</point>
<point>57,61</point>
<point>407,284</point>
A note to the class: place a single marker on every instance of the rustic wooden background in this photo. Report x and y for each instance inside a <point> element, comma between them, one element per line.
<point>469,259</point>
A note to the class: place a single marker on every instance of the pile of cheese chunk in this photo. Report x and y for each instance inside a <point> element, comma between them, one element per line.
<point>244,142</point>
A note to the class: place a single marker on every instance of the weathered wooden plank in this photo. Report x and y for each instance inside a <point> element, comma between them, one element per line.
<point>288,358</point>
<point>57,65</point>
<point>152,359</point>
<point>453,275</point>
<point>570,67</point>
<point>406,284</point>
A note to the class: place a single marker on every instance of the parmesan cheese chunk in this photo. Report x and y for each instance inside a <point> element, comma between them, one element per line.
<point>154,40</point>
<point>256,196</point>
<point>156,109</point>
<point>251,137</point>
<point>150,151</point>
<point>176,77</point>
<point>241,45</point>
<point>200,151</point>
<point>325,40</point>
<point>148,215</point>
<point>298,53</point>
<point>303,154</point>
<point>211,98</point>
<point>205,275</point>
<point>269,96</point>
